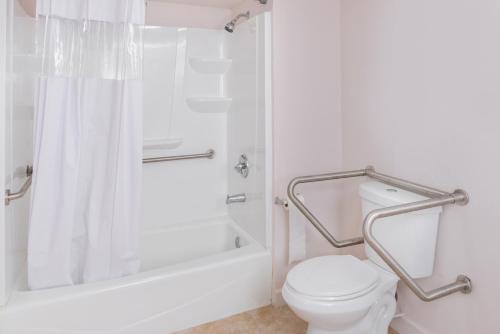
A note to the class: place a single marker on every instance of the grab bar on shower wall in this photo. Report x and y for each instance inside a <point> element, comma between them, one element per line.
<point>11,196</point>
<point>209,155</point>
<point>437,198</point>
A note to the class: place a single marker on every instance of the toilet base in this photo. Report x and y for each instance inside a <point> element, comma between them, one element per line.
<point>312,330</point>
<point>377,320</point>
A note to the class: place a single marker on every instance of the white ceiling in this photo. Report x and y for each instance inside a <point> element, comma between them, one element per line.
<point>208,3</point>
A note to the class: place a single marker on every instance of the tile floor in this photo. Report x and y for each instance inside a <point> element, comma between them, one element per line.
<point>266,320</point>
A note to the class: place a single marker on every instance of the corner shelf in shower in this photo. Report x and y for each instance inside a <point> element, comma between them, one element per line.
<point>209,104</point>
<point>162,143</point>
<point>209,65</point>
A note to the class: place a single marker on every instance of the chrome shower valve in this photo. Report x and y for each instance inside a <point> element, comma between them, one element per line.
<point>242,166</point>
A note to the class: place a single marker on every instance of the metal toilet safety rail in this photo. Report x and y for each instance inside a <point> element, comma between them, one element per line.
<point>436,198</point>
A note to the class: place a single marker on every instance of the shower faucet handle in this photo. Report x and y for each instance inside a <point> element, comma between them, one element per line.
<point>242,166</point>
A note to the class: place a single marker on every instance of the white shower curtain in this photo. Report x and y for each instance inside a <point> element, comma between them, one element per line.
<point>88,143</point>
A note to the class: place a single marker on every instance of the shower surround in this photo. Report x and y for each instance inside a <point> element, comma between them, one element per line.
<point>201,260</point>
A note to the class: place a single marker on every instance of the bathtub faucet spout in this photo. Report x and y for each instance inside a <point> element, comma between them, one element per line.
<point>238,198</point>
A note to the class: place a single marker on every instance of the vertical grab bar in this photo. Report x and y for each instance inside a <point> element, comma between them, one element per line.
<point>462,284</point>
<point>11,196</point>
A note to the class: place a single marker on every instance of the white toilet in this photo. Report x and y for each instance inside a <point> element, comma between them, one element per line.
<point>341,294</point>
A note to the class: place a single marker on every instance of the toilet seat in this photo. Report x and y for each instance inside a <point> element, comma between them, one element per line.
<point>332,278</point>
<point>340,294</point>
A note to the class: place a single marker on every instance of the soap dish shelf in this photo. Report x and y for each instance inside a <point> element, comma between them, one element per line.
<point>162,143</point>
<point>209,104</point>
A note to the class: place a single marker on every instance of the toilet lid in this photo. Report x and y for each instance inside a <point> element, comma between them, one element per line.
<point>335,276</point>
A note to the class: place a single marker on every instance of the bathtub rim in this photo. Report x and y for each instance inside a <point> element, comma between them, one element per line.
<point>22,298</point>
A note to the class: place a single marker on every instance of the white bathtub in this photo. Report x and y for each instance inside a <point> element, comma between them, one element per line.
<point>191,274</point>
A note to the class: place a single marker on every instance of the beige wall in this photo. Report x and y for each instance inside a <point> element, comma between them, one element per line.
<point>160,13</point>
<point>306,113</point>
<point>421,100</point>
<point>199,16</point>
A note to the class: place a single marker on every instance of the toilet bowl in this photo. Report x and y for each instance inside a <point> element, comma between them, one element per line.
<point>342,295</point>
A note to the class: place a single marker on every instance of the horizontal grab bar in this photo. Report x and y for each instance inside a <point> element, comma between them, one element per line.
<point>11,196</point>
<point>208,155</point>
<point>437,198</point>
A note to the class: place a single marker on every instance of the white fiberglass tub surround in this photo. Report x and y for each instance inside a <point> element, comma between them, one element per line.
<point>202,259</point>
<point>191,274</point>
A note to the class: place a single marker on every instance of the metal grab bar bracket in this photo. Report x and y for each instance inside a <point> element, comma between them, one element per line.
<point>11,196</point>
<point>436,198</point>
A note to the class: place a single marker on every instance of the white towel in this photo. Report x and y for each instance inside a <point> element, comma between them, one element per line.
<point>297,232</point>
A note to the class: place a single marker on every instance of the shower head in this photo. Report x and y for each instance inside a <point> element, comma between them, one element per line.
<point>230,26</point>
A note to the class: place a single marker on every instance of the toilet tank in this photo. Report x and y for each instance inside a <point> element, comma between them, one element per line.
<point>411,237</point>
